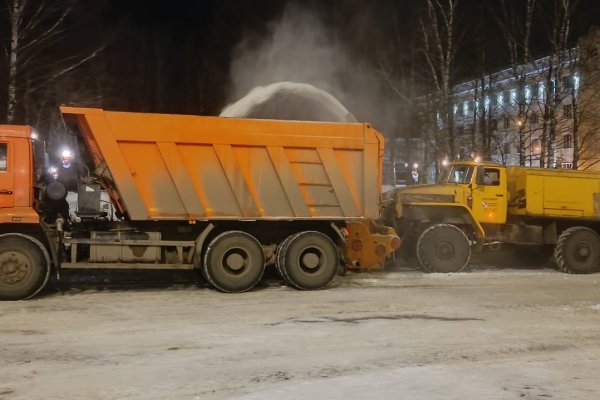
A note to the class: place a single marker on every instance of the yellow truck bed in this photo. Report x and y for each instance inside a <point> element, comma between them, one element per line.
<point>174,167</point>
<point>554,193</point>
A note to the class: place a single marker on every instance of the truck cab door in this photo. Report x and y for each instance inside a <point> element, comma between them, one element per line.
<point>7,175</point>
<point>489,193</point>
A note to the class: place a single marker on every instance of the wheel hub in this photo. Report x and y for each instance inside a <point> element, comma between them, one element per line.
<point>583,251</point>
<point>310,260</point>
<point>444,250</point>
<point>13,268</point>
<point>235,261</point>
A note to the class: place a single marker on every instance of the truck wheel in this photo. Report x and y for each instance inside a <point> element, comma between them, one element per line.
<point>578,251</point>
<point>24,267</point>
<point>280,258</point>
<point>308,260</point>
<point>234,262</point>
<point>443,248</point>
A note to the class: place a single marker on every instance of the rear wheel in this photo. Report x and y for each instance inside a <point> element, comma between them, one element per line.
<point>443,248</point>
<point>24,267</point>
<point>308,260</point>
<point>578,251</point>
<point>280,258</point>
<point>234,262</point>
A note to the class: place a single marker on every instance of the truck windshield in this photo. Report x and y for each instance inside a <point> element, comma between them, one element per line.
<point>457,174</point>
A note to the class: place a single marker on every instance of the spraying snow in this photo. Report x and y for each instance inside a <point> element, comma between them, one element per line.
<point>289,101</point>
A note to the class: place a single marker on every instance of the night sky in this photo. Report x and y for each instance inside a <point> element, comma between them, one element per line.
<point>181,56</point>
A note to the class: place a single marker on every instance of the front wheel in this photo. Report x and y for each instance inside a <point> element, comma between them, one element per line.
<point>578,251</point>
<point>24,267</point>
<point>443,248</point>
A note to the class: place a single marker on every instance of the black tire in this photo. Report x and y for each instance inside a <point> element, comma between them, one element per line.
<point>578,251</point>
<point>308,260</point>
<point>280,257</point>
<point>234,261</point>
<point>443,248</point>
<point>24,267</point>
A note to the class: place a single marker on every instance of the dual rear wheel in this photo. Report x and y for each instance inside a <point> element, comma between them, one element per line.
<point>234,261</point>
<point>307,260</point>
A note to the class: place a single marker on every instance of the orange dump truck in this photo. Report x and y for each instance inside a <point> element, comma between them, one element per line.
<point>225,196</point>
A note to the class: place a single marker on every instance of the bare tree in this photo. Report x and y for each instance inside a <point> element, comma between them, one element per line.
<point>585,92</point>
<point>38,34</point>
<point>516,24</point>
<point>440,43</point>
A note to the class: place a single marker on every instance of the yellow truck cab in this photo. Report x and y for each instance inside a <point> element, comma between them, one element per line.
<point>478,204</point>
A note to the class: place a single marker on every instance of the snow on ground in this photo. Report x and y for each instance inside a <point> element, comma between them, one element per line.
<point>488,334</point>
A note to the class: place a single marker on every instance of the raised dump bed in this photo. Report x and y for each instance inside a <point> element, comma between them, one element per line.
<point>179,167</point>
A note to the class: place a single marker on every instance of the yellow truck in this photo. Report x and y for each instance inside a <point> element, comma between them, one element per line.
<point>225,196</point>
<point>474,205</point>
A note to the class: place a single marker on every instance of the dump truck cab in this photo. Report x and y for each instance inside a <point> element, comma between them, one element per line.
<point>24,257</point>
<point>16,171</point>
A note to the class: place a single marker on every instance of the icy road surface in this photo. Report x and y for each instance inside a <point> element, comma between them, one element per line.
<point>495,334</point>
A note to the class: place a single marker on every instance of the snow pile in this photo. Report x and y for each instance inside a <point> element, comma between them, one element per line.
<point>289,101</point>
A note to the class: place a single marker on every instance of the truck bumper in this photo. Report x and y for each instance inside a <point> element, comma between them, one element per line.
<point>368,244</point>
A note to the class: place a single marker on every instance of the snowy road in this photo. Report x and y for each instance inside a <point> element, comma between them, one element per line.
<point>507,334</point>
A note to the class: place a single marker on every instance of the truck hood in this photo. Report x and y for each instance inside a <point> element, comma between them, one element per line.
<point>434,193</point>
<point>394,200</point>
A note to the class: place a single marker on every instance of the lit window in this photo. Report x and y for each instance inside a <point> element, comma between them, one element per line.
<point>486,104</point>
<point>576,81</point>
<point>466,108</point>
<point>542,92</point>
<point>513,96</point>
<point>527,94</point>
